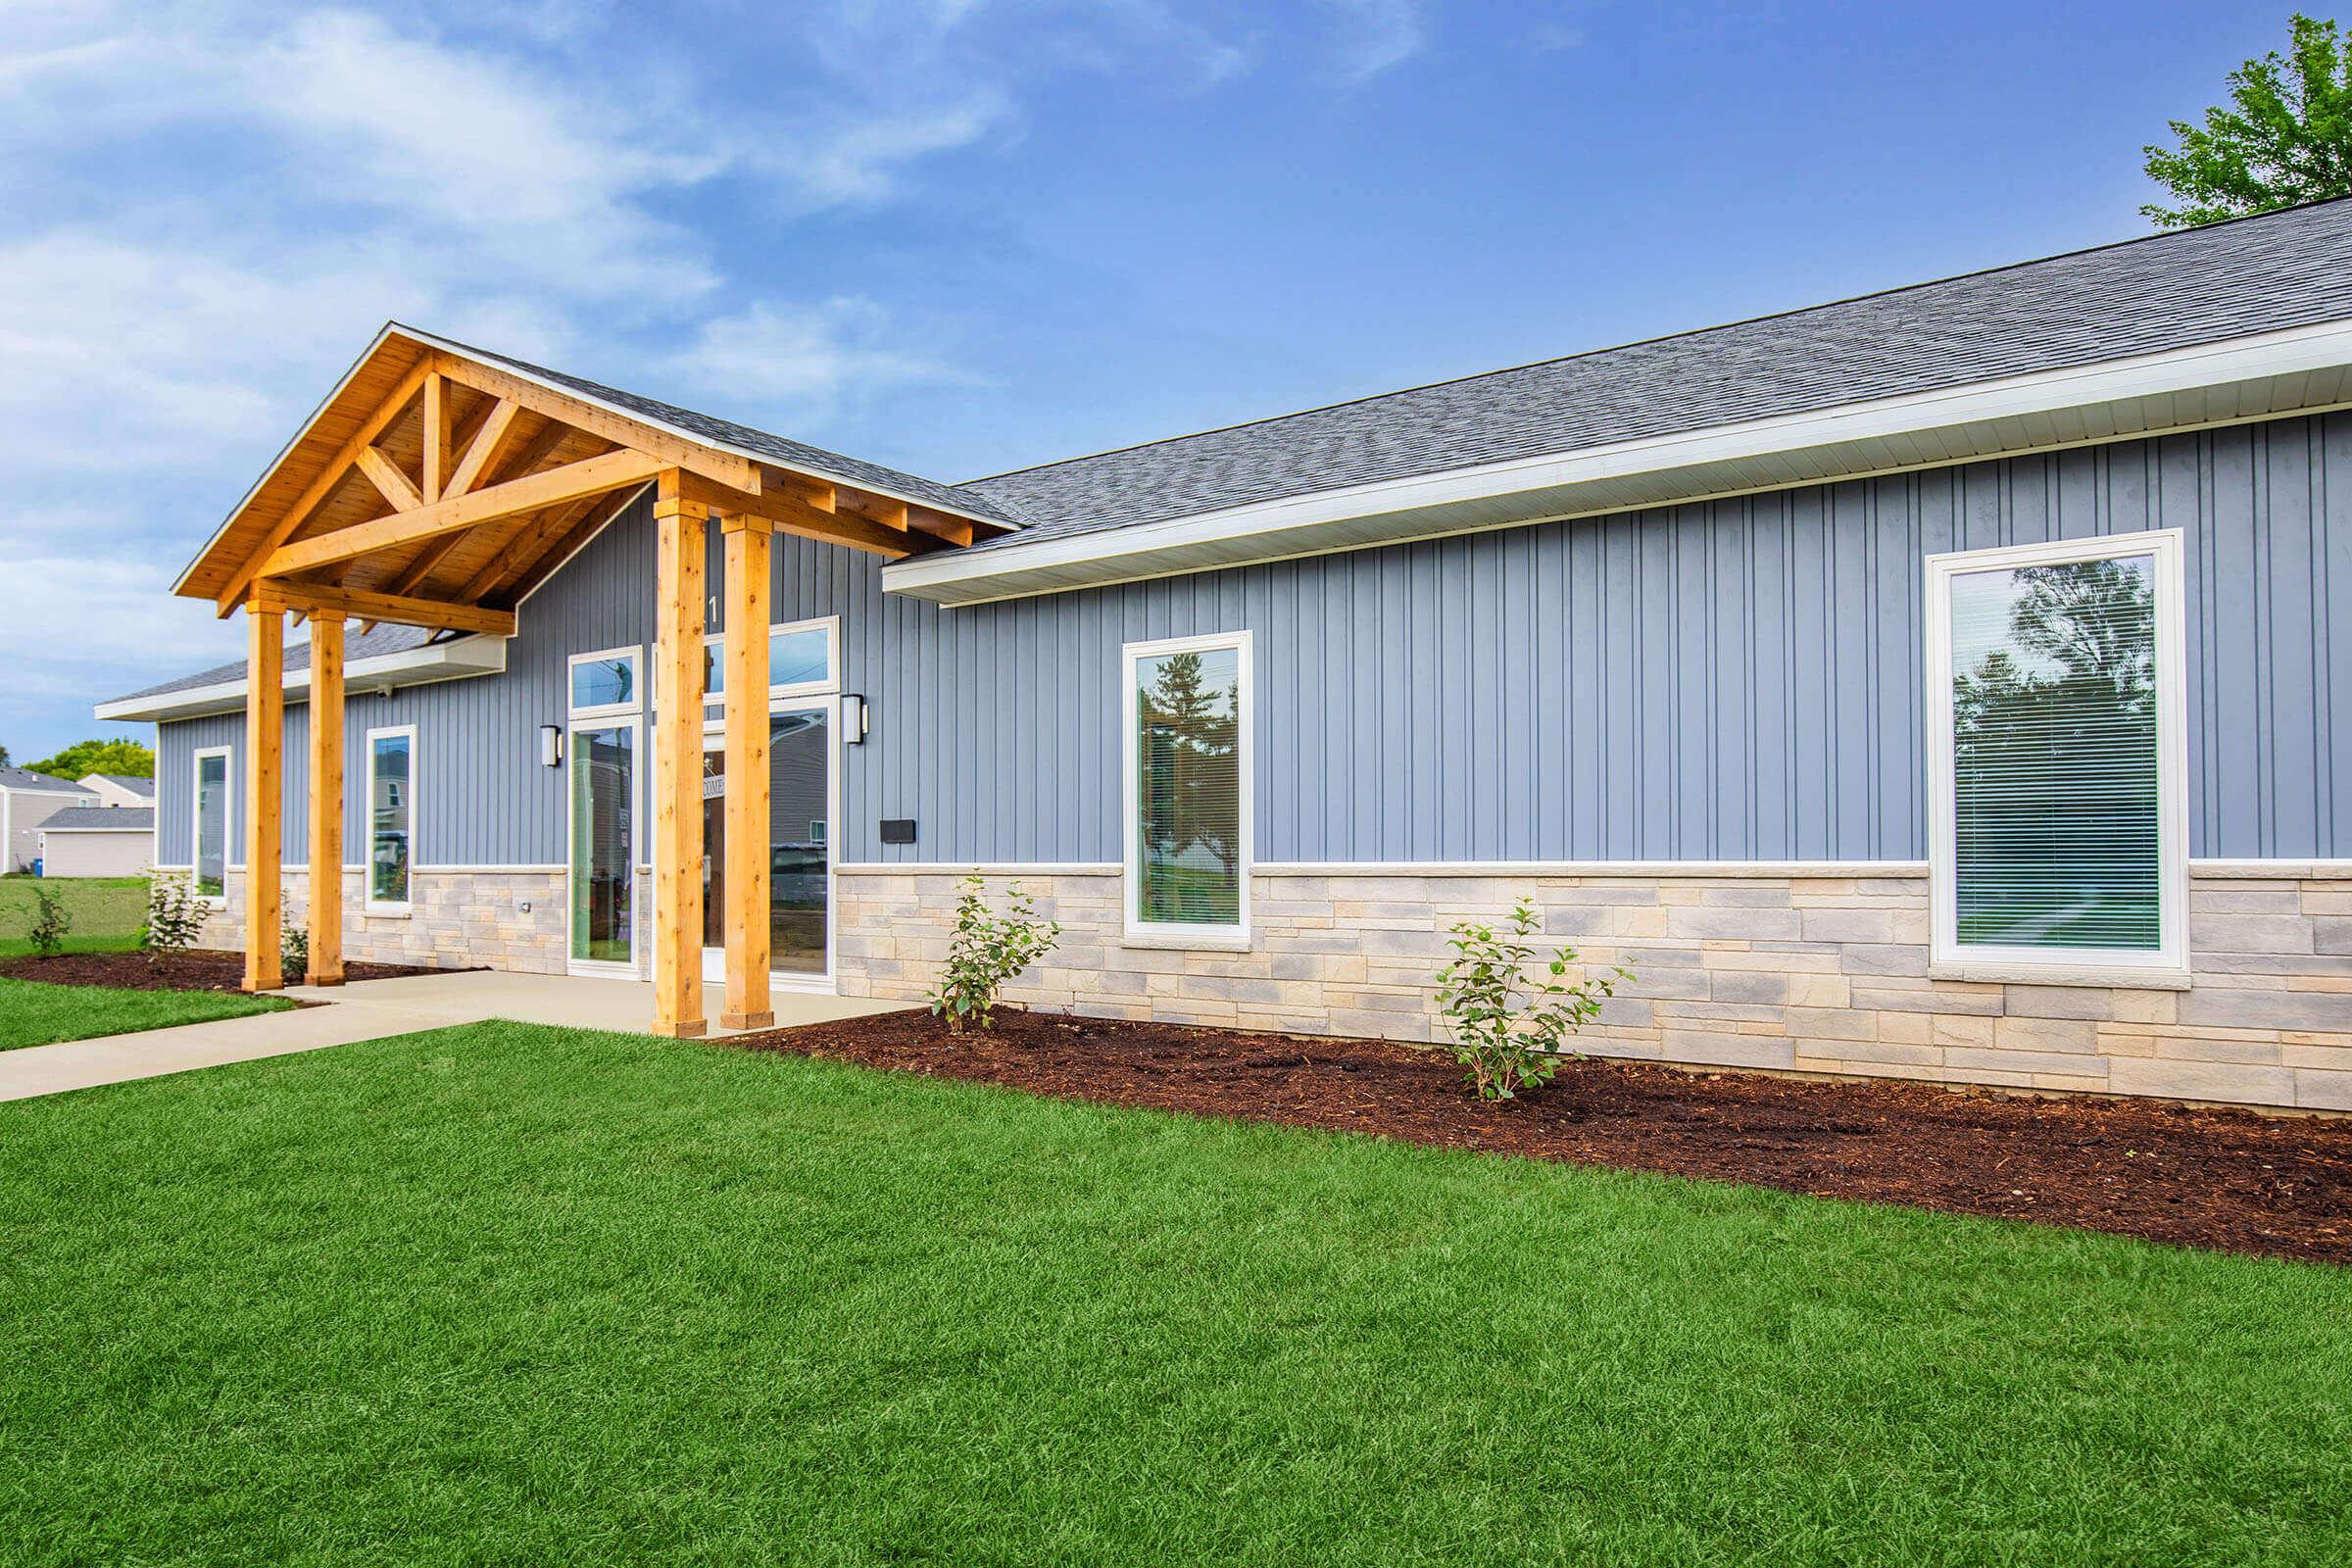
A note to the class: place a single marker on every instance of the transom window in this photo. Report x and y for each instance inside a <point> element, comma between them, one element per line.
<point>1187,774</point>
<point>803,659</point>
<point>604,682</point>
<point>2056,707</point>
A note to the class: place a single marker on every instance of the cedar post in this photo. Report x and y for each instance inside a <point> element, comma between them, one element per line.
<point>327,799</point>
<point>679,572</point>
<point>748,1003</point>
<point>265,740</point>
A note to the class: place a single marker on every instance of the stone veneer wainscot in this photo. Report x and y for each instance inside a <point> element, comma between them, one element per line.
<point>459,917</point>
<point>1816,968</point>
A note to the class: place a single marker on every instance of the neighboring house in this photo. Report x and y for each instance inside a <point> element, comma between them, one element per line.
<point>98,841</point>
<point>1950,683</point>
<point>119,789</point>
<point>27,800</point>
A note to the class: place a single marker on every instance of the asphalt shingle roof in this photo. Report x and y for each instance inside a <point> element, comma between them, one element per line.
<point>357,645</point>
<point>136,786</point>
<point>17,778</point>
<point>2168,291</point>
<point>126,818</point>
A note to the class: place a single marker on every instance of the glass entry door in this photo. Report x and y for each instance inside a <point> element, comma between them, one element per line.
<point>800,854</point>
<point>603,764</point>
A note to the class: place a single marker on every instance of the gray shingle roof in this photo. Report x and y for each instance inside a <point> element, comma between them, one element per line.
<point>357,645</point>
<point>779,449</point>
<point>136,786</point>
<point>17,778</point>
<point>126,818</point>
<point>2166,291</point>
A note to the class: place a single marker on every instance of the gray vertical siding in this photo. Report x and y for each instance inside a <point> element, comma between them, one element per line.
<point>1730,680</point>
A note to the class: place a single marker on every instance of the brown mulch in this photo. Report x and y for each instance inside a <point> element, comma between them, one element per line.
<point>2232,1180</point>
<point>200,970</point>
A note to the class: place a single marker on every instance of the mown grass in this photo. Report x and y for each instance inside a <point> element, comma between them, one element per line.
<point>521,1295</point>
<point>108,912</point>
<point>34,1014</point>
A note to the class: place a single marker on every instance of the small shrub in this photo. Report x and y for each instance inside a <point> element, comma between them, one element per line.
<point>293,952</point>
<point>987,949</point>
<point>50,922</point>
<point>176,914</point>
<point>1506,1041</point>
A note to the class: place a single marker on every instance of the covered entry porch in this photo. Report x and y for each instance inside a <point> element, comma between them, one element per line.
<point>436,487</point>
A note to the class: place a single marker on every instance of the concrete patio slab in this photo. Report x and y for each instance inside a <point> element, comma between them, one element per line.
<point>373,1010</point>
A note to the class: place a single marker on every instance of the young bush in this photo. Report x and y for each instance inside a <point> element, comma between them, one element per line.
<point>293,952</point>
<point>175,915</point>
<point>50,922</point>
<point>987,949</point>
<point>1508,1043</point>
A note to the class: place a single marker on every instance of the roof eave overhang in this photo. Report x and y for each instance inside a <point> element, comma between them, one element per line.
<point>2300,371</point>
<point>455,660</point>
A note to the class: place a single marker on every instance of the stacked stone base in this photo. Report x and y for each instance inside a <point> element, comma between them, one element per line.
<point>1805,972</point>
<point>457,918</point>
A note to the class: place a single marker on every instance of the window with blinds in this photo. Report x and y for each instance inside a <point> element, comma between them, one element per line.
<point>2058,832</point>
<point>1186,757</point>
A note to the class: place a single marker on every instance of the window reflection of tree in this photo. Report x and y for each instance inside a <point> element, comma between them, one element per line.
<point>2054,745</point>
<point>1190,736</point>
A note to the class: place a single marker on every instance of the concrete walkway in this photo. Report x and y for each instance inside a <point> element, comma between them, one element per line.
<point>372,1010</point>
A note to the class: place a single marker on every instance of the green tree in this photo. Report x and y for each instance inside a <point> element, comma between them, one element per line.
<point>3,756</point>
<point>2286,136</point>
<point>124,759</point>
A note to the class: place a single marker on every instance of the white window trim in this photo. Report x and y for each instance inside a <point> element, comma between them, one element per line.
<point>2168,963</point>
<point>228,818</point>
<point>635,654</point>
<point>374,905</point>
<point>827,984</point>
<point>1142,933</point>
<point>830,625</point>
<point>572,803</point>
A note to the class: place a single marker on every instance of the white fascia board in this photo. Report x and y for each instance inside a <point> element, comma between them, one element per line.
<point>1271,530</point>
<point>414,667</point>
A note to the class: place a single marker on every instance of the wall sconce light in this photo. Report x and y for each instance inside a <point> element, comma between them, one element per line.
<point>853,719</point>
<point>551,746</point>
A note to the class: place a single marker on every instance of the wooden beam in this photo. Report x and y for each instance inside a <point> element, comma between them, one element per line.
<point>520,550</point>
<point>677,451</point>
<point>265,742</point>
<point>318,489</point>
<point>482,451</point>
<point>316,599</point>
<point>679,572</point>
<point>436,437</point>
<point>573,480</point>
<point>792,516</point>
<point>748,914</point>
<point>939,525</point>
<point>326,800</point>
<point>550,560</point>
<point>392,484</point>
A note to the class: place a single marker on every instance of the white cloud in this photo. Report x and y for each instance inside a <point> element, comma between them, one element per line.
<point>859,162</point>
<point>812,356</point>
<point>1376,35</point>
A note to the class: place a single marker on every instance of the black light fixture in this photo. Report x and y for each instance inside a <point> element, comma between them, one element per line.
<point>551,746</point>
<point>853,718</point>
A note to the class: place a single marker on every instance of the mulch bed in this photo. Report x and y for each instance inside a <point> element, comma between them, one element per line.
<point>2232,1180</point>
<point>200,970</point>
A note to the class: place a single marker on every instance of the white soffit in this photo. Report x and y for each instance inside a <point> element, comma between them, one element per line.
<point>2240,379</point>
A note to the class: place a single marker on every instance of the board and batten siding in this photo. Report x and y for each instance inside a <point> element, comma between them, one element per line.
<point>1732,680</point>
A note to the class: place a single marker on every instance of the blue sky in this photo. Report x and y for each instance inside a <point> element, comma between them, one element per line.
<point>956,236</point>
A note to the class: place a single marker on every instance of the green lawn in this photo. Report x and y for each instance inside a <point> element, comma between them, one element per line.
<point>108,912</point>
<point>518,1295</point>
<point>35,1015</point>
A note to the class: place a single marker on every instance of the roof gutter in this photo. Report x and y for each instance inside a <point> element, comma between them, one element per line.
<point>2302,370</point>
